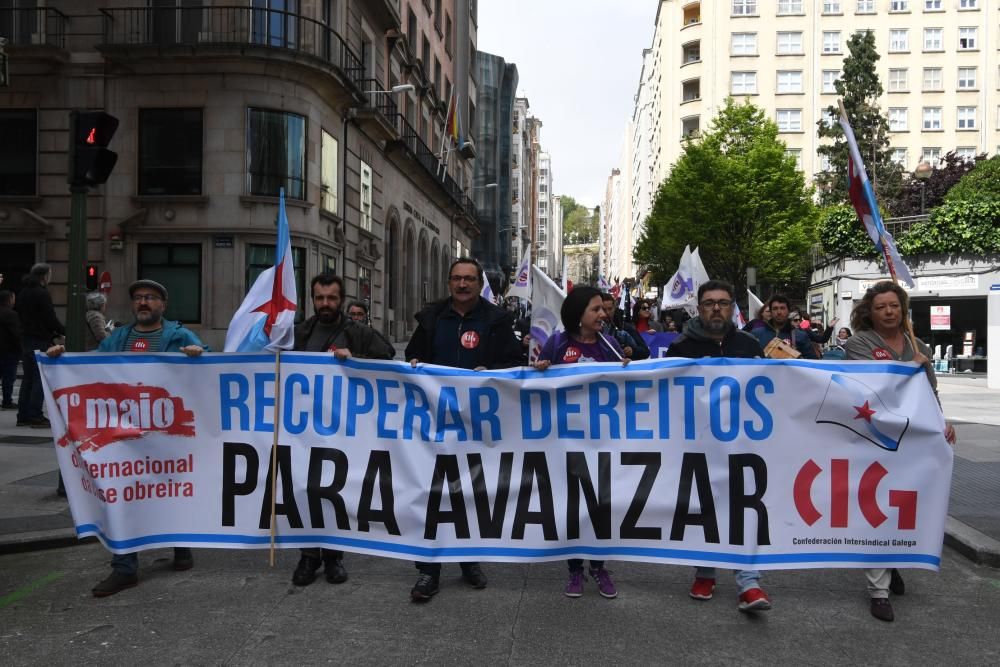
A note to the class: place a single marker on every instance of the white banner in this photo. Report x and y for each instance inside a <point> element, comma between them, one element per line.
<point>735,463</point>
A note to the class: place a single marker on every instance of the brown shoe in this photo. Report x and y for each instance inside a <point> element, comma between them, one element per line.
<point>114,583</point>
<point>882,609</point>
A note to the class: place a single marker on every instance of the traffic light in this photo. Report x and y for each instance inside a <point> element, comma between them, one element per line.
<point>92,278</point>
<point>90,161</point>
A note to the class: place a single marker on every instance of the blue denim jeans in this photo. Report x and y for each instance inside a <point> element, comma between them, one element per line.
<point>128,564</point>
<point>745,579</point>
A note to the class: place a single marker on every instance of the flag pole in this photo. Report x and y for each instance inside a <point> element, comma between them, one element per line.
<point>274,448</point>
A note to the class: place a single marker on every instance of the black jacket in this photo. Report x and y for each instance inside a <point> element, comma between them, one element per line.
<point>38,317</point>
<point>362,340</point>
<point>695,344</point>
<point>499,348</point>
<point>10,332</point>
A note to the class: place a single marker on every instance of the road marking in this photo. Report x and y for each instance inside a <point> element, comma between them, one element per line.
<point>11,598</point>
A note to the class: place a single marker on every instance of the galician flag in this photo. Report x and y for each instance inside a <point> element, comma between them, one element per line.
<point>863,200</point>
<point>603,285</point>
<point>487,292</point>
<point>546,302</point>
<point>266,319</point>
<point>522,279</point>
<point>855,406</point>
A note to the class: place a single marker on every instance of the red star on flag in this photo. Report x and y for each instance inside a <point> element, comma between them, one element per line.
<point>278,303</point>
<point>864,412</point>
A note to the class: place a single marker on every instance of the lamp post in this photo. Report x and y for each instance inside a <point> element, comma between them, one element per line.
<point>922,173</point>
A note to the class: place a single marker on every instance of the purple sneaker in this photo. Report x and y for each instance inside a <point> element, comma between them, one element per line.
<point>604,583</point>
<point>574,589</point>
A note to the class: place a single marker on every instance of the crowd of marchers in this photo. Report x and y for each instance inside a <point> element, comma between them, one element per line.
<point>465,330</point>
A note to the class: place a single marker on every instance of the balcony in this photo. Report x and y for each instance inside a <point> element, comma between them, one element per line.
<point>202,32</point>
<point>690,127</point>
<point>691,90</point>
<point>379,115</point>
<point>38,33</point>
<point>691,53</point>
<point>692,15</point>
<point>385,12</point>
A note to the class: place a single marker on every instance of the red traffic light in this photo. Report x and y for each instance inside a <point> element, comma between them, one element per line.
<point>90,161</point>
<point>92,282</point>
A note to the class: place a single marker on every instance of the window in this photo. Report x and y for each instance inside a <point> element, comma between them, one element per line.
<point>744,7</point>
<point>744,83</point>
<point>789,7</point>
<point>790,43</point>
<point>437,16</point>
<point>691,53</point>
<point>897,80</point>
<point>271,22</point>
<point>19,157</point>
<point>447,37</point>
<point>744,44</point>
<point>831,41</point>
<point>260,258</point>
<point>690,126</point>
<point>789,120</point>
<point>967,39</point>
<point>426,54</point>
<point>828,117</point>
<point>365,285</point>
<point>897,119</point>
<point>830,78</point>
<point>899,40</point>
<point>866,7</point>
<point>177,266</point>
<point>543,207</point>
<point>170,151</point>
<point>931,155</point>
<point>933,79</point>
<point>795,153</point>
<point>932,118</point>
<point>691,90</point>
<point>328,173</point>
<point>437,76</point>
<point>933,39</point>
<point>899,5</point>
<point>966,153</point>
<point>899,156</point>
<point>968,4</point>
<point>966,118</point>
<point>789,81</point>
<point>411,30</point>
<point>933,6</point>
<point>276,153</point>
<point>824,163</point>
<point>966,78</point>
<point>366,197</point>
<point>831,7</point>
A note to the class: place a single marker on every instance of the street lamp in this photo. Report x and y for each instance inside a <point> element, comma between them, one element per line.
<point>401,88</point>
<point>488,186</point>
<point>922,173</point>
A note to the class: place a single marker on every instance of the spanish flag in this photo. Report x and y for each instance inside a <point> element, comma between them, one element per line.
<point>453,120</point>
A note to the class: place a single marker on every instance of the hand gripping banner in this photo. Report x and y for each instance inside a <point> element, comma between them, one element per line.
<point>734,463</point>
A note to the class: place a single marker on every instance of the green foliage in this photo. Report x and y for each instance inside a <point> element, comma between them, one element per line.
<point>860,89</point>
<point>931,191</point>
<point>579,224</point>
<point>736,195</point>
<point>843,235</point>
<point>982,182</point>
<point>961,226</point>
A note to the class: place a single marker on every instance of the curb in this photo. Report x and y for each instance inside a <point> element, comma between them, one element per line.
<point>43,539</point>
<point>974,545</point>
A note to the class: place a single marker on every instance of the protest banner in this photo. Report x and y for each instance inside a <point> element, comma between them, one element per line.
<point>658,342</point>
<point>728,462</point>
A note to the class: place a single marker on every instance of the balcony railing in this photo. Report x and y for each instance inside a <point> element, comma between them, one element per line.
<point>229,26</point>
<point>379,99</point>
<point>35,26</point>
<point>430,162</point>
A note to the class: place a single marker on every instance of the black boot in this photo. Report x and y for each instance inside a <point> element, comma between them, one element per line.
<point>336,573</point>
<point>305,571</point>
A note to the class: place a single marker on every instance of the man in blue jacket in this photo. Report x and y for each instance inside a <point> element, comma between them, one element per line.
<point>149,333</point>
<point>780,326</point>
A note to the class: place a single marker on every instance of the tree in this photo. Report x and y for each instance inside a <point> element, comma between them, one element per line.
<point>959,226</point>
<point>579,225</point>
<point>860,89</point>
<point>738,196</point>
<point>932,190</point>
<point>982,182</point>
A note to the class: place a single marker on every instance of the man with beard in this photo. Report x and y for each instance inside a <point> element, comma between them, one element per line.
<point>329,330</point>
<point>781,326</point>
<point>149,333</point>
<point>712,334</point>
<point>462,331</point>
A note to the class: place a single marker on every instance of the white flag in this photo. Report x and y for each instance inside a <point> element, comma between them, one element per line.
<point>522,279</point>
<point>754,304</point>
<point>680,291</point>
<point>546,302</point>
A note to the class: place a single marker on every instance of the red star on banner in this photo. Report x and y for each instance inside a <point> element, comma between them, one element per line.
<point>864,412</point>
<point>278,303</point>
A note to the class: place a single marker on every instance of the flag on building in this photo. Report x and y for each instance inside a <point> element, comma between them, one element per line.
<point>863,200</point>
<point>855,406</point>
<point>266,319</point>
<point>522,279</point>
<point>546,302</point>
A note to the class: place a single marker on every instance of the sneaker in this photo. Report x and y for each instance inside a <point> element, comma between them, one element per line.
<point>702,588</point>
<point>336,573</point>
<point>896,583</point>
<point>574,588</point>
<point>473,575</point>
<point>425,588</point>
<point>882,609</point>
<point>183,559</point>
<point>305,571</point>
<point>754,599</point>
<point>604,583</point>
<point>114,583</point>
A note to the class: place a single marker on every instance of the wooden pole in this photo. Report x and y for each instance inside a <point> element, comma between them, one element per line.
<point>274,448</point>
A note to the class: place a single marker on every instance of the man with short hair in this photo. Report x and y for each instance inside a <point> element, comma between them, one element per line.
<point>149,333</point>
<point>329,330</point>
<point>463,330</point>
<point>712,334</point>
<point>39,329</point>
<point>358,312</point>
<point>780,326</point>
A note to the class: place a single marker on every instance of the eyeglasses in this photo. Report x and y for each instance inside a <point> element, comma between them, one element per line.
<point>643,307</point>
<point>796,319</point>
<point>146,298</point>
<point>463,279</point>
<point>710,304</point>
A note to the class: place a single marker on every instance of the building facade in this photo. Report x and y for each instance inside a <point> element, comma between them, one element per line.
<point>221,107</point>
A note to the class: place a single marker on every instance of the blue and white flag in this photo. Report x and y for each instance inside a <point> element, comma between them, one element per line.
<point>603,285</point>
<point>487,292</point>
<point>855,406</point>
<point>546,302</point>
<point>522,279</point>
<point>680,290</point>
<point>266,319</point>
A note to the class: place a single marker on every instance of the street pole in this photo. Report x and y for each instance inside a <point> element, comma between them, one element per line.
<point>76,296</point>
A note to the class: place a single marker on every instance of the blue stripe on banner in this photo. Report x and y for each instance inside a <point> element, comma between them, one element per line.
<point>516,552</point>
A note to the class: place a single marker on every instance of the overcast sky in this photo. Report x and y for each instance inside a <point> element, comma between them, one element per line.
<point>578,64</point>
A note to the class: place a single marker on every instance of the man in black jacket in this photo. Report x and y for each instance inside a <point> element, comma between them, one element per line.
<point>10,348</point>
<point>329,330</point>
<point>712,334</point>
<point>40,327</point>
<point>463,331</point>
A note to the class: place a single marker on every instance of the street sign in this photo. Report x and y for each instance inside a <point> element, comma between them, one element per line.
<point>940,318</point>
<point>105,284</point>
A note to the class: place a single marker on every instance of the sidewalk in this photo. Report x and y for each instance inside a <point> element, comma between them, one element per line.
<point>33,517</point>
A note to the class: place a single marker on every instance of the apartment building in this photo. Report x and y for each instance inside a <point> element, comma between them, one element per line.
<point>544,259</point>
<point>341,103</point>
